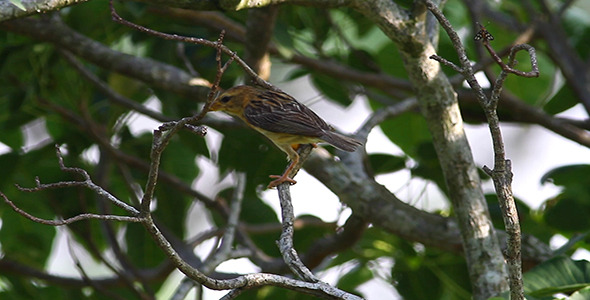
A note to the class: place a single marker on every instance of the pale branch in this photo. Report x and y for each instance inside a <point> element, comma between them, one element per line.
<point>183,288</point>
<point>285,243</point>
<point>161,138</point>
<point>440,109</point>
<point>243,282</point>
<point>67,221</point>
<point>466,68</point>
<point>10,11</point>
<point>370,200</point>
<point>234,215</point>
<point>88,183</point>
<point>502,173</point>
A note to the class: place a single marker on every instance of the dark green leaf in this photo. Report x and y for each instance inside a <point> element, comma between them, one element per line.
<point>560,274</point>
<point>568,214</point>
<point>355,277</point>
<point>407,131</point>
<point>245,150</point>
<point>332,88</point>
<point>142,250</point>
<point>561,101</point>
<point>297,73</point>
<point>568,175</point>
<point>428,166</point>
<point>385,163</point>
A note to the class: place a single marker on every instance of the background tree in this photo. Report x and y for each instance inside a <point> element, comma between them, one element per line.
<point>135,204</point>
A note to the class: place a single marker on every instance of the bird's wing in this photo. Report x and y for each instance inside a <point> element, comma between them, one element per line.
<point>278,112</point>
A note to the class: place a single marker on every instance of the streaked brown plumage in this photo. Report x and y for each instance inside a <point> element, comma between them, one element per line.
<point>283,120</point>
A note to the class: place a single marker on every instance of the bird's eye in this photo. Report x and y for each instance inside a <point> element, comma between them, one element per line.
<point>225,99</point>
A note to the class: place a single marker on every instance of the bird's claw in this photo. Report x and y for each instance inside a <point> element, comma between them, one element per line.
<point>280,179</point>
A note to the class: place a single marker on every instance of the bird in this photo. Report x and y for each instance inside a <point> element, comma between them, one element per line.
<point>283,120</point>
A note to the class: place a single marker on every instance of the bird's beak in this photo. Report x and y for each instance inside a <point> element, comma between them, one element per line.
<point>215,105</point>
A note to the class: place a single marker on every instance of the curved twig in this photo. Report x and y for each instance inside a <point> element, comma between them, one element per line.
<point>67,221</point>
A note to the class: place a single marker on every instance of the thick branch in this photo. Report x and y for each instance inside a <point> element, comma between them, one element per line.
<point>370,200</point>
<point>438,104</point>
<point>10,11</point>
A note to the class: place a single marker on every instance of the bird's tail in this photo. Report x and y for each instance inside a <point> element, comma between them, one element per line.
<point>340,141</point>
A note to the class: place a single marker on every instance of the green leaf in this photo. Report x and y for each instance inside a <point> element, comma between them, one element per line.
<point>531,90</point>
<point>428,166</point>
<point>9,162</point>
<point>179,160</point>
<point>568,175</point>
<point>408,131</point>
<point>390,61</point>
<point>355,277</point>
<point>22,239</point>
<point>296,73</point>
<point>331,87</point>
<point>142,250</point>
<point>560,274</point>
<point>568,213</point>
<point>385,163</point>
<point>245,150</point>
<point>582,294</point>
<point>563,100</point>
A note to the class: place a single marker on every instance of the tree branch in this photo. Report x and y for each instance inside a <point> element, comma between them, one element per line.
<point>9,11</point>
<point>502,173</point>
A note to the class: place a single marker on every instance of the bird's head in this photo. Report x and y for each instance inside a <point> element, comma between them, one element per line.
<point>233,100</point>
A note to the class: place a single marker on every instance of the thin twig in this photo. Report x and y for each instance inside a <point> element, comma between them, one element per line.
<point>285,243</point>
<point>234,215</point>
<point>192,40</point>
<point>447,63</point>
<point>506,67</point>
<point>67,221</point>
<point>86,183</point>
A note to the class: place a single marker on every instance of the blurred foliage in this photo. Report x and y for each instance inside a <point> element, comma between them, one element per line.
<point>44,101</point>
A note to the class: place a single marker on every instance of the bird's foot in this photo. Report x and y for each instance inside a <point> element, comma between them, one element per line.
<point>280,179</point>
